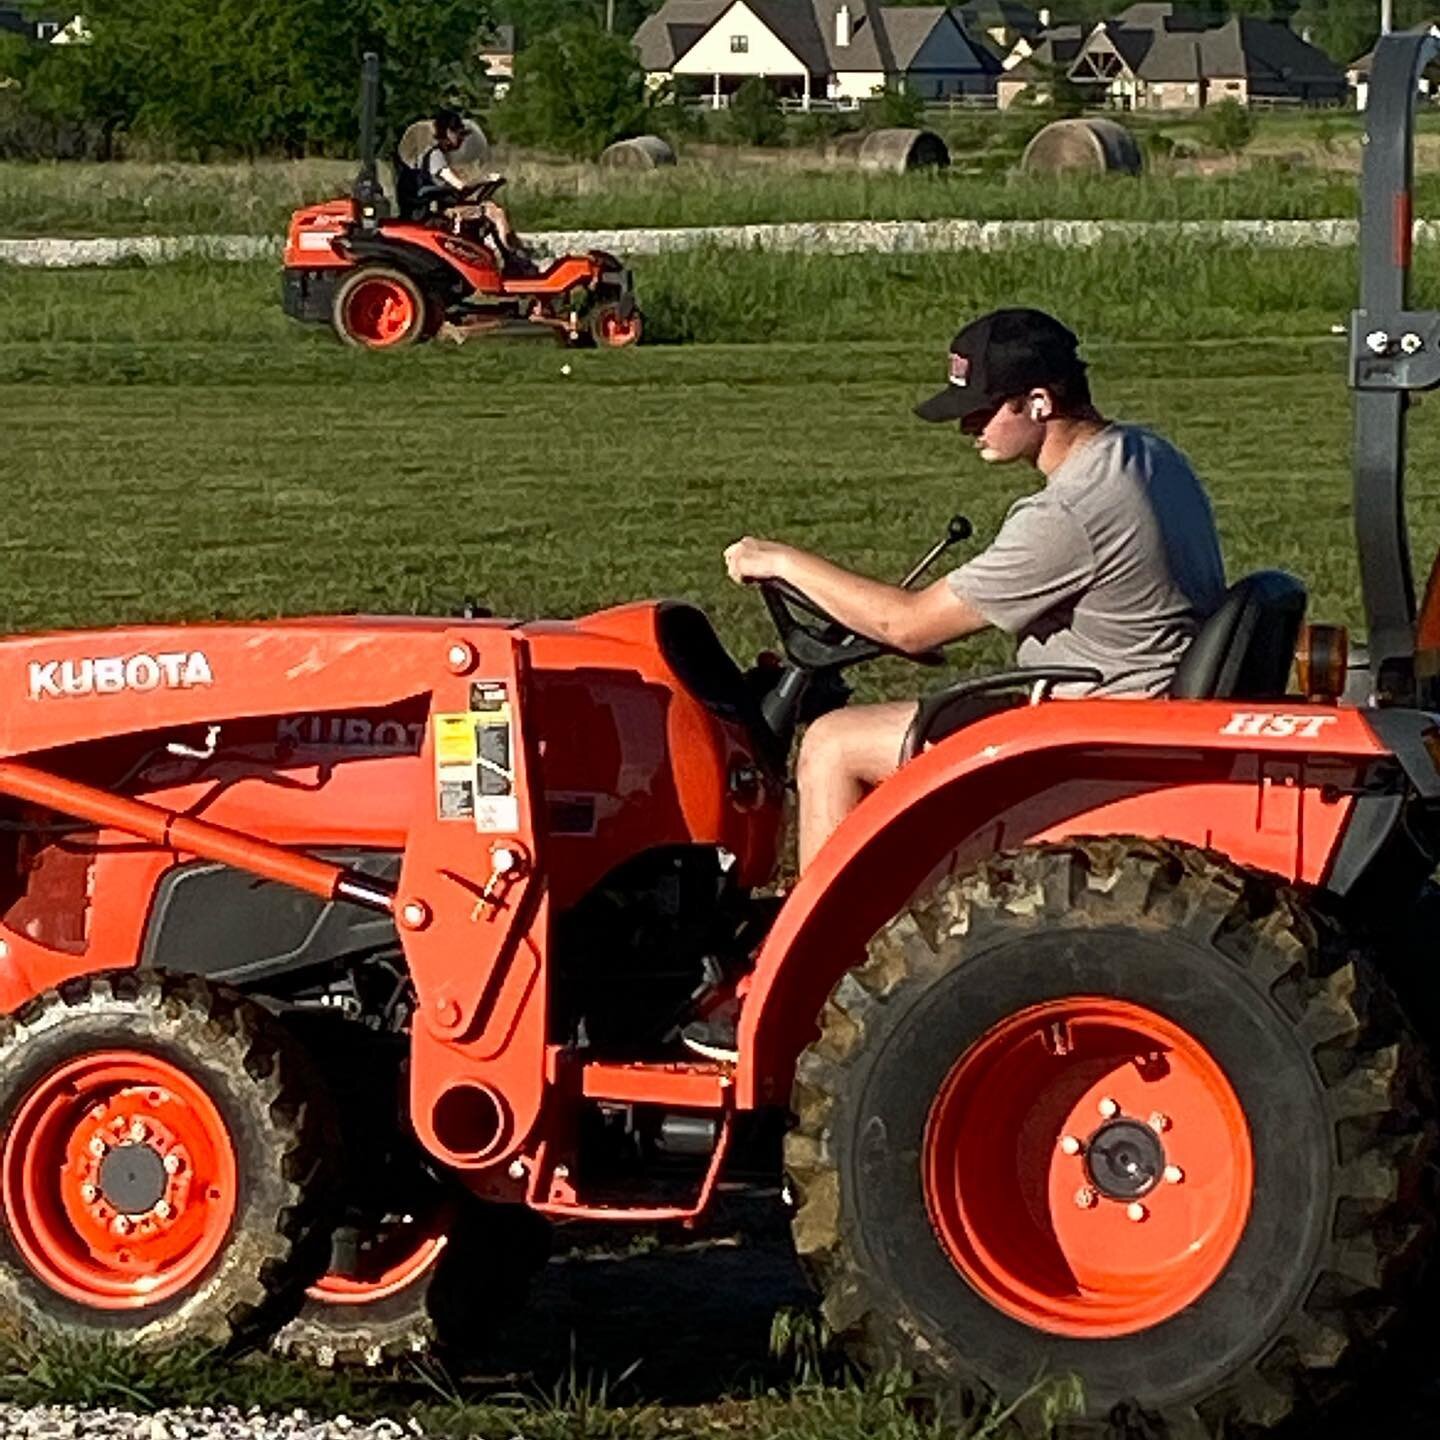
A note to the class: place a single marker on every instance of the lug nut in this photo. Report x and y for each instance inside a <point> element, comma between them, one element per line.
<point>1108,1108</point>
<point>1135,1211</point>
<point>138,1132</point>
<point>164,1209</point>
<point>97,1145</point>
<point>172,1163</point>
<point>89,1194</point>
<point>1159,1122</point>
<point>1410,342</point>
<point>1069,1145</point>
<point>121,1225</point>
<point>1173,1175</point>
<point>516,1170</point>
<point>1085,1197</point>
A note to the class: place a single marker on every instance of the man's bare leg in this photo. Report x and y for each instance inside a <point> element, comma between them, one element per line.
<point>844,754</point>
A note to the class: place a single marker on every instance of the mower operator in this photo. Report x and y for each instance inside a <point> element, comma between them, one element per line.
<point>451,131</point>
<point>1113,564</point>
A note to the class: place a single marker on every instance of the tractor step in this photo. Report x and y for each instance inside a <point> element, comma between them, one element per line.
<point>705,1086</point>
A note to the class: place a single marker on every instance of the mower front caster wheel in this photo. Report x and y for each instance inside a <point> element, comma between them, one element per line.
<point>615,328</point>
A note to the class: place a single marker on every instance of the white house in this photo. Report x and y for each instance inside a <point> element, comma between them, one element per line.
<point>840,50</point>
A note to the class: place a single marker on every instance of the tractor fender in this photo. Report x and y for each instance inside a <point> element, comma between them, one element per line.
<point>1272,786</point>
<point>428,269</point>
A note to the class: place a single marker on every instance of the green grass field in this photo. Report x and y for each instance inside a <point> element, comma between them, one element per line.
<point>171,447</point>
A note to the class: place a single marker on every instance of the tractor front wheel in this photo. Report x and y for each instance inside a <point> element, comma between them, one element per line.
<point>165,1171</point>
<point>380,308</point>
<point>1118,1111</point>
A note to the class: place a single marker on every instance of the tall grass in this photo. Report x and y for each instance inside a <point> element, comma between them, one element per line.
<point>79,198</point>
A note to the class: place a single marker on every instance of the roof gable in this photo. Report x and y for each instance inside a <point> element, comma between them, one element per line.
<point>943,45</point>
<point>667,34</point>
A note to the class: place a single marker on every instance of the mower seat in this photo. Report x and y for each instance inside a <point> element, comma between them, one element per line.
<point>1245,649</point>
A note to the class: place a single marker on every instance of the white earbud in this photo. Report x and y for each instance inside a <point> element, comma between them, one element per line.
<point>1037,409</point>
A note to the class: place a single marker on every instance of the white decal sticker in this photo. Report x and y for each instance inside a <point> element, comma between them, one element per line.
<point>110,674</point>
<point>1271,725</point>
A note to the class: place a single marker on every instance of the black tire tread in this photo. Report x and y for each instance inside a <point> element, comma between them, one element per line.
<point>1373,1070</point>
<point>288,1213</point>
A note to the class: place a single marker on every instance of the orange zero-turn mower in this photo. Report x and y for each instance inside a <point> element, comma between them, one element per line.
<point>385,281</point>
<point>341,957</point>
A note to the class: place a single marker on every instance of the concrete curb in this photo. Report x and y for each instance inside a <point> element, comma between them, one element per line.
<point>831,237</point>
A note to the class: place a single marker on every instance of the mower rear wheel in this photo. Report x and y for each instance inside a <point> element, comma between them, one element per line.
<point>380,308</point>
<point>165,1170</point>
<point>1117,1110</point>
<point>439,1282</point>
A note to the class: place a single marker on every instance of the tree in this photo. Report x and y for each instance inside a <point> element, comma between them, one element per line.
<point>754,114</point>
<point>893,106</point>
<point>250,76</point>
<point>1227,126</point>
<point>576,89</point>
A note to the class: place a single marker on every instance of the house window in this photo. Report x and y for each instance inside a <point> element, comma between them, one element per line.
<point>739,44</point>
<point>47,29</point>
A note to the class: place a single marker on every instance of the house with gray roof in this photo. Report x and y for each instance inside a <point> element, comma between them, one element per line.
<point>1161,57</point>
<point>835,50</point>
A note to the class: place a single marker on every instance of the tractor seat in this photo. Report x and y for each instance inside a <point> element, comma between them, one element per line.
<point>1245,649</point>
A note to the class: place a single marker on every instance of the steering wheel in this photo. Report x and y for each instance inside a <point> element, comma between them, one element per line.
<point>828,645</point>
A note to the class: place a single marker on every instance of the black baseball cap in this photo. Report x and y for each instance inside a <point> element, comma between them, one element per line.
<point>999,356</point>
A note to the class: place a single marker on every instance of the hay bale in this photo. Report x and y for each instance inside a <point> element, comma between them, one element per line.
<point>469,162</point>
<point>1092,145</point>
<point>643,152</point>
<point>897,151</point>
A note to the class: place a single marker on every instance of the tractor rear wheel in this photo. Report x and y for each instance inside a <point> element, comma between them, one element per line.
<point>1119,1111</point>
<point>380,308</point>
<point>440,1282</point>
<point>165,1164</point>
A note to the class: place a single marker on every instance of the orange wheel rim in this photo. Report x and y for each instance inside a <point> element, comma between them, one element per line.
<point>1088,1168</point>
<point>118,1180</point>
<point>389,1280</point>
<point>619,330</point>
<point>379,312</point>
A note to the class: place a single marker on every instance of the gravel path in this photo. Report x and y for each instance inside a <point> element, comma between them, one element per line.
<point>68,1422</point>
<point>832,237</point>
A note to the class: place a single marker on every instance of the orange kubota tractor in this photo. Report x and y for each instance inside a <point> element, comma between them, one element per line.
<point>385,280</point>
<point>364,941</point>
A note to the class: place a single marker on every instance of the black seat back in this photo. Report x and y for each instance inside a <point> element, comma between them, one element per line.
<point>1245,649</point>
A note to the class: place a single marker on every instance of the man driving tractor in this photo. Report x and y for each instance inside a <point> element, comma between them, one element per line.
<point>1114,564</point>
<point>451,131</point>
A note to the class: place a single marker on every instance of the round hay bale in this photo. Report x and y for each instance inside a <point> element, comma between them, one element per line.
<point>469,162</point>
<point>1090,145</point>
<point>643,152</point>
<point>896,151</point>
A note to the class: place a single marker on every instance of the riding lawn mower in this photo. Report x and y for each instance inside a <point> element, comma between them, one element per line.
<point>386,280</point>
<point>341,958</point>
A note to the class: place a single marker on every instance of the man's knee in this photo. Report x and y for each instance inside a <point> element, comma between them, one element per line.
<point>822,747</point>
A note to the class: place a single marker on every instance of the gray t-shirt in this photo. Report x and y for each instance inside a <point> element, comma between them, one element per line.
<point>1114,564</point>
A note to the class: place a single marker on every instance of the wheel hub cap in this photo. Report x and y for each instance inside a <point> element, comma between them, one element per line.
<point>132,1178</point>
<point>1124,1159</point>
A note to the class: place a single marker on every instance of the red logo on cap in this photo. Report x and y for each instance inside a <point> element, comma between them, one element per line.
<point>959,370</point>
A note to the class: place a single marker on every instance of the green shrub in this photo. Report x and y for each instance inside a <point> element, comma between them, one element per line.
<point>894,107</point>
<point>754,114</point>
<point>576,89</point>
<point>1227,126</point>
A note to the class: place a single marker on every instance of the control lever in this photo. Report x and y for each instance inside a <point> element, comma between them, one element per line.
<point>957,530</point>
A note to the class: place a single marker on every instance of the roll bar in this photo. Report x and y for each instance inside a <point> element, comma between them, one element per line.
<point>1393,350</point>
<point>368,205</point>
